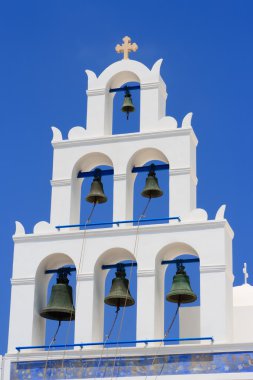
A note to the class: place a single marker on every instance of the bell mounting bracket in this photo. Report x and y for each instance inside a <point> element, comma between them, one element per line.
<point>65,270</point>
<point>125,88</point>
<point>118,266</point>
<point>95,173</point>
<point>179,262</point>
<point>138,169</point>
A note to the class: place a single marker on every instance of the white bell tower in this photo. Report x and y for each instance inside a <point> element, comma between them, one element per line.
<point>49,247</point>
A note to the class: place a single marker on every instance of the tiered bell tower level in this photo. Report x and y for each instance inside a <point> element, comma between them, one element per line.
<point>48,247</point>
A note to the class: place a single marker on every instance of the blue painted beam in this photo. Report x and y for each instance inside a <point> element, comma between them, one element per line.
<point>120,222</point>
<point>61,270</point>
<point>138,169</point>
<point>125,88</point>
<point>113,343</point>
<point>179,261</point>
<point>111,266</point>
<point>92,173</point>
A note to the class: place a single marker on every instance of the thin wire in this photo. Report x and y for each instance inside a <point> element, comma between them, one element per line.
<point>165,336</point>
<point>83,249</point>
<point>130,277</point>
<point>107,338</point>
<point>52,341</point>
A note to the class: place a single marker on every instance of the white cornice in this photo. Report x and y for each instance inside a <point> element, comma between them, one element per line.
<point>122,176</point>
<point>146,273</point>
<point>96,140</point>
<point>85,277</point>
<point>119,177</point>
<point>61,182</point>
<point>127,230</point>
<point>23,281</point>
<point>97,91</point>
<point>212,268</point>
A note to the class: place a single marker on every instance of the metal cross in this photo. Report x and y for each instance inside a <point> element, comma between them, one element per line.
<point>246,275</point>
<point>126,47</point>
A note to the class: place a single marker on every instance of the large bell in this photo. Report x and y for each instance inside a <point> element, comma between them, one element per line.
<point>60,306</point>
<point>181,291</point>
<point>128,104</point>
<point>96,194</point>
<point>119,294</point>
<point>152,189</point>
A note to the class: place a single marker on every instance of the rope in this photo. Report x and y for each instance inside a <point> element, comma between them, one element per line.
<point>130,277</point>
<point>83,249</point>
<point>165,336</point>
<point>107,338</point>
<point>52,341</point>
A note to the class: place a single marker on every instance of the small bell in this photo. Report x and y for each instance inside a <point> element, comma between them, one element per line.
<point>181,291</point>
<point>119,294</point>
<point>60,306</point>
<point>152,189</point>
<point>128,104</point>
<point>96,194</point>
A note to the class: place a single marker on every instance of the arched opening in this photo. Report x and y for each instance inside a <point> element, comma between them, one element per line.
<point>187,320</point>
<point>80,209</point>
<point>104,315</point>
<point>44,328</point>
<point>159,207</point>
<point>121,327</point>
<point>120,122</point>
<point>65,334</point>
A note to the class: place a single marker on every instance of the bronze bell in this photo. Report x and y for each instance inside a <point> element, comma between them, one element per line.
<point>152,189</point>
<point>119,294</point>
<point>128,104</point>
<point>181,291</point>
<point>96,194</point>
<point>60,306</point>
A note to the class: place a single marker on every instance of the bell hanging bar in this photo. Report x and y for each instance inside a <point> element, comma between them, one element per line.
<point>102,173</point>
<point>111,266</point>
<point>125,88</point>
<point>179,261</point>
<point>138,169</point>
<point>67,270</point>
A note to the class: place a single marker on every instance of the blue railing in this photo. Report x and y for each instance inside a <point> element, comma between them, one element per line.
<point>115,343</point>
<point>118,222</point>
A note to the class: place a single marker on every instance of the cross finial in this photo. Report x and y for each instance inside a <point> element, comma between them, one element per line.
<point>126,47</point>
<point>246,275</point>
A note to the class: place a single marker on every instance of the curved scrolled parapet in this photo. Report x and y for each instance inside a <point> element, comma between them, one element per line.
<point>187,120</point>
<point>91,77</point>
<point>198,214</point>
<point>157,67</point>
<point>43,227</point>
<point>220,214</point>
<point>167,122</point>
<point>20,230</point>
<point>57,135</point>
<point>77,133</point>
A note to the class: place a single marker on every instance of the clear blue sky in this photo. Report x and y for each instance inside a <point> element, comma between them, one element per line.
<point>208,59</point>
